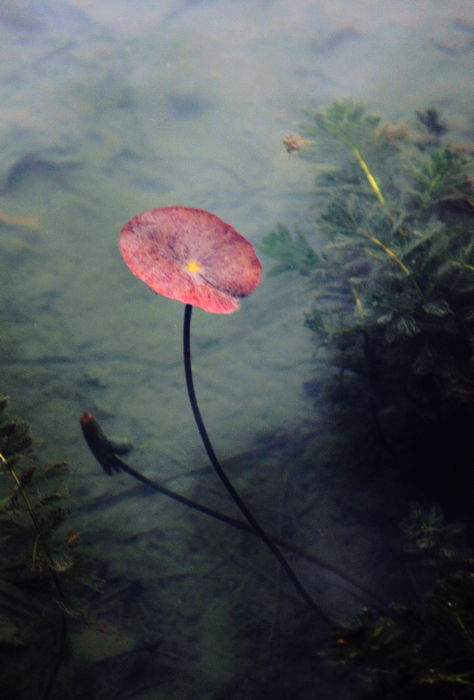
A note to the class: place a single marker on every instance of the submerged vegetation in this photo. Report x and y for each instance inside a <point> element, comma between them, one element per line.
<point>393,288</point>
<point>426,650</point>
<point>31,511</point>
<point>391,307</point>
<point>40,567</point>
<point>396,206</point>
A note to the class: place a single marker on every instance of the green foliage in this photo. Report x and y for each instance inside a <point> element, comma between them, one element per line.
<point>396,205</point>
<point>382,200</point>
<point>315,322</point>
<point>342,122</point>
<point>439,176</point>
<point>393,310</point>
<point>293,253</point>
<point>426,648</point>
<point>40,565</point>
<point>431,122</point>
<point>423,651</point>
<point>31,512</point>
<point>435,543</point>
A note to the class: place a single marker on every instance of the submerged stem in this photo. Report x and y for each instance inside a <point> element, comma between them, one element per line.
<point>395,259</point>
<point>103,451</point>
<point>222,475</point>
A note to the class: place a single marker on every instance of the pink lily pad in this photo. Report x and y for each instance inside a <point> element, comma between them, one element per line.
<point>192,256</point>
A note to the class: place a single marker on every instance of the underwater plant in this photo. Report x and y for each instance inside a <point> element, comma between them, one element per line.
<point>391,306</point>
<point>382,200</point>
<point>392,288</point>
<point>39,563</point>
<point>424,650</point>
<point>436,543</point>
<point>192,256</point>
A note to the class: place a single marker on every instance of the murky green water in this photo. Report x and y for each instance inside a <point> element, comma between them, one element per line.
<point>107,112</point>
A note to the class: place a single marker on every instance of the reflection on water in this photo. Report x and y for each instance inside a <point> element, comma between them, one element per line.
<point>106,113</point>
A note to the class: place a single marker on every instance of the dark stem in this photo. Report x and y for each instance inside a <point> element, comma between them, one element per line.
<point>103,450</point>
<point>222,475</point>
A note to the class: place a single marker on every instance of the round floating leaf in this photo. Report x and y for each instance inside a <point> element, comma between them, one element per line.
<point>192,256</point>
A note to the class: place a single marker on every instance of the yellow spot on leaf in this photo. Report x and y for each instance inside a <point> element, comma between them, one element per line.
<point>193,266</point>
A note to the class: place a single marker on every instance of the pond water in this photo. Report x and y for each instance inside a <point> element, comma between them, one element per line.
<point>112,108</point>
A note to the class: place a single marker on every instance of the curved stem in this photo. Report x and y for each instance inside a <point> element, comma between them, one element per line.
<point>103,451</point>
<point>222,475</point>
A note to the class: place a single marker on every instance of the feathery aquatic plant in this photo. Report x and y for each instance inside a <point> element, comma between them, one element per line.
<point>396,205</point>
